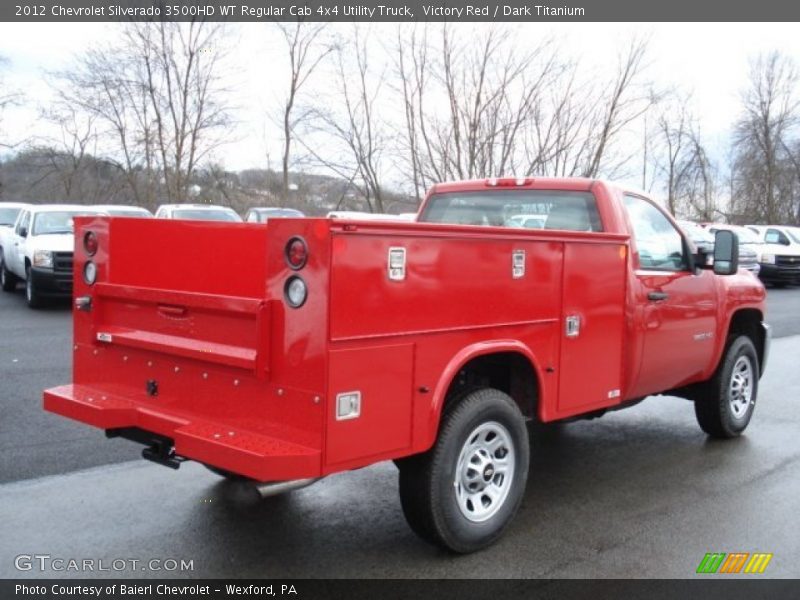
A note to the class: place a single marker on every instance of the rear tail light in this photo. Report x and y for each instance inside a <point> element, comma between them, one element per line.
<point>296,253</point>
<point>90,243</point>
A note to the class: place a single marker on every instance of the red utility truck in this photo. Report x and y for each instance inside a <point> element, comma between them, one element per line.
<point>287,351</point>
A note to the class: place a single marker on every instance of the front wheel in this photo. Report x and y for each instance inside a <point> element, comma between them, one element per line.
<point>464,492</point>
<point>725,405</point>
<point>7,279</point>
<point>31,293</point>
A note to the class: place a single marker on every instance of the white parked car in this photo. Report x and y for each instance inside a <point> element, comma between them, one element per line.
<point>264,214</point>
<point>527,221</point>
<point>39,251</point>
<point>197,212</point>
<point>355,215</point>
<point>122,210</point>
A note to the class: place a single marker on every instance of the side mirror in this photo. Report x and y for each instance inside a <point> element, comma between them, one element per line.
<point>726,252</point>
<point>23,232</point>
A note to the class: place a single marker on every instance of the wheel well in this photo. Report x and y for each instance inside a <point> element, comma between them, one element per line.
<point>509,372</point>
<point>748,322</point>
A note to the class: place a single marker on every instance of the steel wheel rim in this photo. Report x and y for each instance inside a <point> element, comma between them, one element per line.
<point>740,391</point>
<point>29,288</point>
<point>484,472</point>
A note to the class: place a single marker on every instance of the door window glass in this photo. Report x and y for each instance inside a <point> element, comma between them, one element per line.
<point>24,223</point>
<point>776,237</point>
<point>660,245</point>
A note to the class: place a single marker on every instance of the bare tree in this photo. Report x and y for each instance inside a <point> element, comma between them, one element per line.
<point>157,98</point>
<point>306,51</point>
<point>697,182</point>
<point>484,107</point>
<point>68,155</point>
<point>469,101</point>
<point>8,97</point>
<point>354,122</point>
<point>674,148</point>
<point>411,69</point>
<point>765,179</point>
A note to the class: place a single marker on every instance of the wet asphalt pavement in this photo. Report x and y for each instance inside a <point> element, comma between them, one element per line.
<point>637,493</point>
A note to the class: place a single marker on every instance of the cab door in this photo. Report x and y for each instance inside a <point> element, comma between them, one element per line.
<point>16,255</point>
<point>676,308</point>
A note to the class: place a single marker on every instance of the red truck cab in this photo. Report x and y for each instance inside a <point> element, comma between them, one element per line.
<point>291,350</point>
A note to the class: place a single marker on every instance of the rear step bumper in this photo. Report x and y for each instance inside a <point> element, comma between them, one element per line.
<point>258,456</point>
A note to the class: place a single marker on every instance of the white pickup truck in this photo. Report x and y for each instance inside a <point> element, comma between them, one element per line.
<point>780,260</point>
<point>38,250</point>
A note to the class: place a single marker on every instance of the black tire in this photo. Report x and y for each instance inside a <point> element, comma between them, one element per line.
<point>8,281</point>
<point>721,410</point>
<point>429,486</point>
<point>31,295</point>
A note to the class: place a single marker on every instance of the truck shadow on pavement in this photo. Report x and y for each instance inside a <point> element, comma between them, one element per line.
<point>591,485</point>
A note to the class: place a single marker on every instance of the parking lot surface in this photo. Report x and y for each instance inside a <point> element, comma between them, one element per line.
<point>637,493</point>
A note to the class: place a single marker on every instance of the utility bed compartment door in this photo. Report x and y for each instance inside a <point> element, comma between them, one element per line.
<point>593,319</point>
<point>382,377</point>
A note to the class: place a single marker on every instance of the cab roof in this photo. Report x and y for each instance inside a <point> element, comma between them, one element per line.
<point>530,183</point>
<point>61,207</point>
<point>195,206</point>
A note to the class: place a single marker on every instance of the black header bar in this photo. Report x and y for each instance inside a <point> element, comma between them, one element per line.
<point>509,11</point>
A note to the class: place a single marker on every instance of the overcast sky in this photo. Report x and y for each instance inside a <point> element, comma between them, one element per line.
<point>709,60</point>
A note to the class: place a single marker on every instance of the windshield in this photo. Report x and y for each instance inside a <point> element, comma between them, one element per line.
<point>46,223</point>
<point>540,209</point>
<point>122,212</point>
<point>279,212</point>
<point>8,215</point>
<point>205,214</point>
<point>794,234</point>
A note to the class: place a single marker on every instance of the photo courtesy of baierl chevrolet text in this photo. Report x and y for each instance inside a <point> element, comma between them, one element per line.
<point>326,299</point>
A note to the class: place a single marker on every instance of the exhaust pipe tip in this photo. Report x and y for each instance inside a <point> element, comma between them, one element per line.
<point>274,488</point>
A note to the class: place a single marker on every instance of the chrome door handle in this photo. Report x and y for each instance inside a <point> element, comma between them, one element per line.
<point>657,296</point>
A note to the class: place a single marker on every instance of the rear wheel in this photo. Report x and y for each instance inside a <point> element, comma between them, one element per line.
<point>463,493</point>
<point>725,405</point>
<point>8,280</point>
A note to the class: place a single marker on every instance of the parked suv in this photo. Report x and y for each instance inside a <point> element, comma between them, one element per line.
<point>122,210</point>
<point>780,259</point>
<point>39,251</point>
<point>750,246</point>
<point>197,212</point>
<point>264,214</point>
<point>701,237</point>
